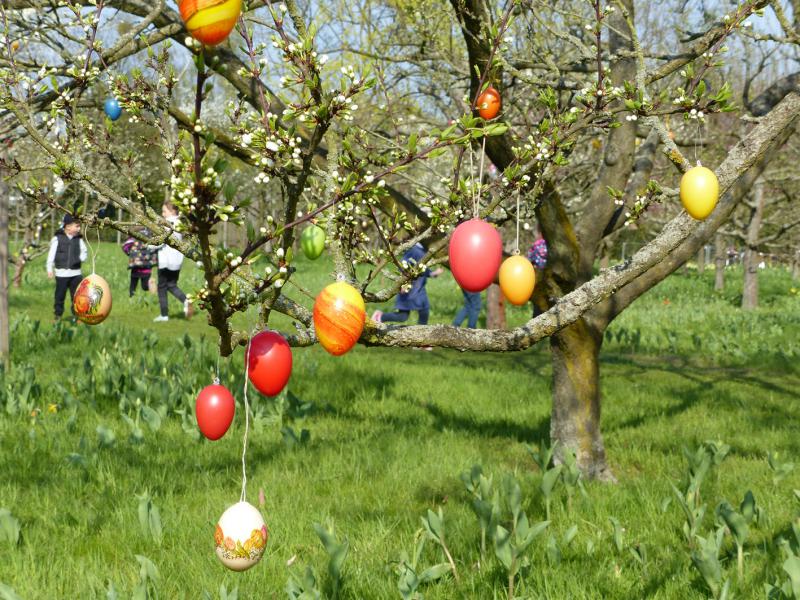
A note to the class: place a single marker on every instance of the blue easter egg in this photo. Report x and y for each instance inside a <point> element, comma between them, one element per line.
<point>113,109</point>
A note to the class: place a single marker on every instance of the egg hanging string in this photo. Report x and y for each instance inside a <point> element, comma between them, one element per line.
<point>243,497</point>
<point>516,250</point>
<point>480,180</point>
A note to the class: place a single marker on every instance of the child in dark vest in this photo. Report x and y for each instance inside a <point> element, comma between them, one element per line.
<point>140,262</point>
<point>67,252</point>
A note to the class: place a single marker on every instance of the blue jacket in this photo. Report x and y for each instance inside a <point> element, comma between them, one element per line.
<point>417,297</point>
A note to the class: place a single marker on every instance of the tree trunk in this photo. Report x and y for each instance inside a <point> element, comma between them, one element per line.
<point>495,308</point>
<point>750,288</point>
<point>19,268</point>
<point>5,358</point>
<point>719,263</point>
<point>701,261</point>
<point>575,421</point>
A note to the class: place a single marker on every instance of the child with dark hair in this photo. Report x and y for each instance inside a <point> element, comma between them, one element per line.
<point>140,262</point>
<point>169,269</point>
<point>67,252</point>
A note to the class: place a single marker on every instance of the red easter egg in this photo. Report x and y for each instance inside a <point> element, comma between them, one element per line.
<point>489,103</point>
<point>269,362</point>
<point>214,410</point>
<point>339,315</point>
<point>476,250</point>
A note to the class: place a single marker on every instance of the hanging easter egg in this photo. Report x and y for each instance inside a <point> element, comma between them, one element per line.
<point>269,362</point>
<point>214,410</point>
<point>339,314</point>
<point>112,108</point>
<point>489,103</point>
<point>312,240</point>
<point>240,536</point>
<point>517,279</point>
<point>699,192</point>
<point>210,21</point>
<point>476,250</point>
<point>92,300</point>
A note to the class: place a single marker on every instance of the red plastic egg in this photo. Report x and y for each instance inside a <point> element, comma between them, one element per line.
<point>214,410</point>
<point>269,362</point>
<point>489,103</point>
<point>476,250</point>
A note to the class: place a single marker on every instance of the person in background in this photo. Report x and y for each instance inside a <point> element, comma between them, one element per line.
<point>140,262</point>
<point>169,269</point>
<point>67,252</point>
<point>537,254</point>
<point>470,311</point>
<point>415,298</point>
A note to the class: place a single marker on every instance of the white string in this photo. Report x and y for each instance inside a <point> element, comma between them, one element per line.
<point>517,250</point>
<point>92,251</point>
<point>243,497</point>
<point>480,179</point>
<point>472,182</point>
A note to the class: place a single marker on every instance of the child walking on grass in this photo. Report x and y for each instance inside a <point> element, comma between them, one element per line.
<point>67,252</point>
<point>169,269</point>
<point>140,262</point>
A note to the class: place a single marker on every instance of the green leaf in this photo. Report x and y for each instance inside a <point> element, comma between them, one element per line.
<point>9,527</point>
<point>151,417</point>
<point>8,593</point>
<point>435,572</point>
<point>502,547</point>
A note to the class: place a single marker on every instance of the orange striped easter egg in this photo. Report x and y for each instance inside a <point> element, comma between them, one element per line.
<point>210,21</point>
<point>339,314</point>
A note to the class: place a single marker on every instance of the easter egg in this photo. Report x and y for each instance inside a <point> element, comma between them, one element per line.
<point>489,103</point>
<point>240,536</point>
<point>312,240</point>
<point>214,410</point>
<point>517,279</point>
<point>92,300</point>
<point>339,314</point>
<point>112,108</point>
<point>210,21</point>
<point>699,192</point>
<point>476,251</point>
<point>269,362</point>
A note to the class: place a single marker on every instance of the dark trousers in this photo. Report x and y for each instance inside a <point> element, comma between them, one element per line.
<point>402,315</point>
<point>470,310</point>
<point>168,282</point>
<point>62,285</point>
<point>136,278</point>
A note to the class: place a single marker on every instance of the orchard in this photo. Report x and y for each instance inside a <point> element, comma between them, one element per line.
<point>305,201</point>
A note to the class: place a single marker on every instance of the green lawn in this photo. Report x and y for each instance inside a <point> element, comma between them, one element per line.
<point>389,434</point>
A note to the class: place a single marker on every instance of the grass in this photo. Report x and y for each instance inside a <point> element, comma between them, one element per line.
<point>390,433</point>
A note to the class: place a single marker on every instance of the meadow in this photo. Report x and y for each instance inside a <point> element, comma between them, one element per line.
<point>389,473</point>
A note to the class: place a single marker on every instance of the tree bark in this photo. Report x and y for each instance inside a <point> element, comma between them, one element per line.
<point>575,420</point>
<point>719,263</point>
<point>750,287</point>
<point>19,268</point>
<point>495,308</point>
<point>5,358</point>
<point>796,266</point>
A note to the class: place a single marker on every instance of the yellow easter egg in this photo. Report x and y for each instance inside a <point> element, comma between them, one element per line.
<point>210,21</point>
<point>517,279</point>
<point>699,192</point>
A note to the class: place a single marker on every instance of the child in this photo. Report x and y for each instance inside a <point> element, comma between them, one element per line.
<point>140,261</point>
<point>414,299</point>
<point>169,269</point>
<point>67,252</point>
<point>471,310</point>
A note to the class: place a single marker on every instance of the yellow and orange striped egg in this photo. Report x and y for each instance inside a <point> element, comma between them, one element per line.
<point>210,21</point>
<point>339,315</point>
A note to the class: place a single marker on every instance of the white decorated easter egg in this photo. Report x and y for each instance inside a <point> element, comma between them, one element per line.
<point>241,536</point>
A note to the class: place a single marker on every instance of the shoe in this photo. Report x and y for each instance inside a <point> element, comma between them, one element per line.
<point>188,309</point>
<point>160,319</point>
<point>376,316</point>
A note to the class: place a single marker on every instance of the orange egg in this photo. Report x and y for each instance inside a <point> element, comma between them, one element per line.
<point>210,21</point>
<point>339,315</point>
<point>92,300</point>
<point>517,279</point>
<point>699,192</point>
<point>489,103</point>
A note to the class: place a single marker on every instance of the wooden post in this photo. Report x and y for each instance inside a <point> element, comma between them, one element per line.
<point>719,263</point>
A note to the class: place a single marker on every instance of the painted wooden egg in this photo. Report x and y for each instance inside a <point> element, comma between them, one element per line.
<point>699,192</point>
<point>339,314</point>
<point>489,103</point>
<point>92,300</point>
<point>210,21</point>
<point>476,250</point>
<point>241,536</point>
<point>517,279</point>
<point>269,362</point>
